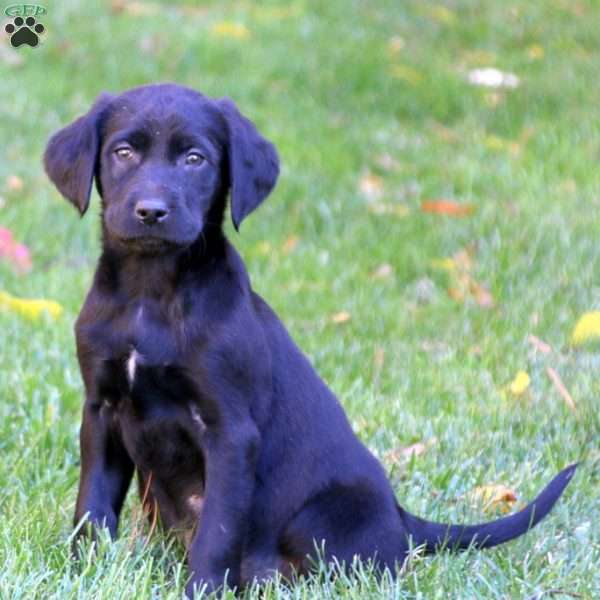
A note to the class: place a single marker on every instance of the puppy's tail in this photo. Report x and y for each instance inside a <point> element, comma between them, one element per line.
<point>435,536</point>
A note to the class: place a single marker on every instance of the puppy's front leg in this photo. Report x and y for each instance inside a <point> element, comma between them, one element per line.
<point>106,471</point>
<point>231,452</point>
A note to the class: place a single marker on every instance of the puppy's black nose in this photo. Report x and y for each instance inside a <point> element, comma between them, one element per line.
<point>150,212</point>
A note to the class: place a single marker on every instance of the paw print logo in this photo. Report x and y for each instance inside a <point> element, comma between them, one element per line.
<point>24,31</point>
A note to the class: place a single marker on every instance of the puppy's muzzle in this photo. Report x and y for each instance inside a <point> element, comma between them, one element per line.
<point>151,211</point>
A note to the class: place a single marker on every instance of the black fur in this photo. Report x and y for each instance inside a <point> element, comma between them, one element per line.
<point>192,381</point>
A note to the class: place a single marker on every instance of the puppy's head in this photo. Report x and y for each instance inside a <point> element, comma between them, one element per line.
<point>164,158</point>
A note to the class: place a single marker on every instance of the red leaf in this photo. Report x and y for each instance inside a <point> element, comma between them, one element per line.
<point>446,207</point>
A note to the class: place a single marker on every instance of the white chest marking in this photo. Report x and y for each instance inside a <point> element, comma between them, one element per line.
<point>131,364</point>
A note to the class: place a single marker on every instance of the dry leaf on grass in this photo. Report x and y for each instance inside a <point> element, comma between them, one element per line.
<point>587,328</point>
<point>263,247</point>
<point>462,284</point>
<point>395,44</point>
<point>535,52</point>
<point>520,384</point>
<point>539,345</point>
<point>400,455</point>
<point>340,317</point>
<point>31,309</point>
<point>406,73</point>
<point>560,387</point>
<point>493,497</point>
<point>440,14</point>
<point>290,244</point>
<point>228,29</point>
<point>386,208</point>
<point>449,208</point>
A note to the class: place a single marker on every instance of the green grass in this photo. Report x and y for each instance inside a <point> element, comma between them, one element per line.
<point>317,78</point>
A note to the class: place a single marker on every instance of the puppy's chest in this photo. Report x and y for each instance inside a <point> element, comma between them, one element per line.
<point>147,386</point>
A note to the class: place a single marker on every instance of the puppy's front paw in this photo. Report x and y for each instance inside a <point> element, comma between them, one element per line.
<point>204,583</point>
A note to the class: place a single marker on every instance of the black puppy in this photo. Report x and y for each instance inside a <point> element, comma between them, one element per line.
<point>191,379</point>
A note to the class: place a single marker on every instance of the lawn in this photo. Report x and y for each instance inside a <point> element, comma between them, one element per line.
<point>419,321</point>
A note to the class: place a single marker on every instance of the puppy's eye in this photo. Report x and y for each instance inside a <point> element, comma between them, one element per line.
<point>194,158</point>
<point>124,152</point>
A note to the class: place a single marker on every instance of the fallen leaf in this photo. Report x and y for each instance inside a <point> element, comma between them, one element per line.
<point>494,142</point>
<point>395,44</point>
<point>406,73</point>
<point>386,208</point>
<point>560,387</point>
<point>15,253</point>
<point>520,384</point>
<point>371,186</point>
<point>586,329</point>
<point>493,78</point>
<point>383,271</point>
<point>446,207</point>
<point>480,57</point>
<point>229,29</point>
<point>444,264</point>
<point>441,14</point>
<point>494,497</point>
<point>341,317</point>
<point>14,183</point>
<point>290,244</point>
<point>462,284</point>
<point>481,294</point>
<point>399,455</point>
<point>539,345</point>
<point>31,309</point>
<point>535,52</point>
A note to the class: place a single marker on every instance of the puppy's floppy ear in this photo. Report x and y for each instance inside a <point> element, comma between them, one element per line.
<point>72,154</point>
<point>253,163</point>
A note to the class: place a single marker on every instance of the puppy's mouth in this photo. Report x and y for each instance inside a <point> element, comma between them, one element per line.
<point>149,244</point>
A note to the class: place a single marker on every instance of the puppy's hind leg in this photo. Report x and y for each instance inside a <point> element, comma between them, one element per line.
<point>347,521</point>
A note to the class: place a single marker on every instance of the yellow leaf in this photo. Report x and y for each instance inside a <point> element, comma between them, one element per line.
<point>494,497</point>
<point>263,247</point>
<point>341,317</point>
<point>383,208</point>
<point>443,264</point>
<point>231,30</point>
<point>30,308</point>
<point>518,386</point>
<point>441,14</point>
<point>587,328</point>
<point>406,73</point>
<point>535,52</point>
